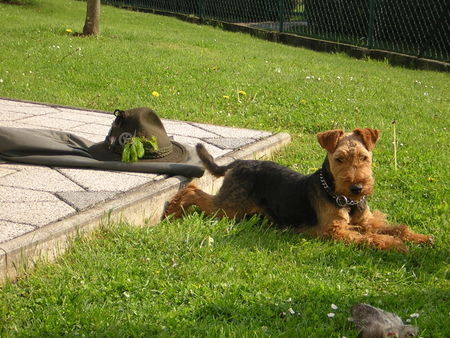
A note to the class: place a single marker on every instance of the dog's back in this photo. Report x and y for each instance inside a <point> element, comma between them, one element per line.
<point>282,193</point>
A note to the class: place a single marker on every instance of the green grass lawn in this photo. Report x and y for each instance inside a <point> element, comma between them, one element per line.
<point>204,277</point>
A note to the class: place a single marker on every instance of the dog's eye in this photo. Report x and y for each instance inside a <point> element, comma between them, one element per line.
<point>339,160</point>
<point>364,158</point>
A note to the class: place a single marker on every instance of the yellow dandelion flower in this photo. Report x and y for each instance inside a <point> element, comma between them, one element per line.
<point>155,93</point>
<point>241,92</point>
<point>302,101</point>
<point>226,97</point>
<point>431,179</point>
<point>68,30</point>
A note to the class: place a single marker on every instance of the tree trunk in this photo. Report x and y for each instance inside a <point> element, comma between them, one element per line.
<point>92,23</point>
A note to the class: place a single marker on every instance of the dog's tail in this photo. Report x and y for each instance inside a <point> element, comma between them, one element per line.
<point>208,162</point>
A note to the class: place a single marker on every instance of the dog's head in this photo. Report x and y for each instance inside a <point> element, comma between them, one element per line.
<point>350,159</point>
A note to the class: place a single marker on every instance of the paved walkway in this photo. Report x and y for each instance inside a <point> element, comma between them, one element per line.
<point>41,208</point>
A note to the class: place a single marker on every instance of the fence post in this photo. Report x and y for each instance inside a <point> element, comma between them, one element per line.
<point>371,23</point>
<point>201,8</point>
<point>280,14</point>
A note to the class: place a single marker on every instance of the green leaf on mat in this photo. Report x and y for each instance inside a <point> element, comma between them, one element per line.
<point>136,148</point>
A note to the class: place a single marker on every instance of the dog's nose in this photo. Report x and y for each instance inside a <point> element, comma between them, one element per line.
<point>356,189</point>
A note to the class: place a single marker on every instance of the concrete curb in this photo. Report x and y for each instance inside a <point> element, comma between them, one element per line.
<point>142,206</point>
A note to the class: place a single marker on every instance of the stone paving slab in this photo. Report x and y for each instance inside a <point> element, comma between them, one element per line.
<point>42,207</point>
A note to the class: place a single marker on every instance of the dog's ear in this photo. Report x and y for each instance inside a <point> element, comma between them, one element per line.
<point>369,136</point>
<point>329,139</point>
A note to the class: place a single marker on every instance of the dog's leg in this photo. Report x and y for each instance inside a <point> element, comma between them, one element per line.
<point>400,231</point>
<point>405,233</point>
<point>224,204</point>
<point>376,223</point>
<point>341,232</point>
<point>189,196</point>
<point>335,223</point>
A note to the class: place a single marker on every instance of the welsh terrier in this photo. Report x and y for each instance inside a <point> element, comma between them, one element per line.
<point>332,202</point>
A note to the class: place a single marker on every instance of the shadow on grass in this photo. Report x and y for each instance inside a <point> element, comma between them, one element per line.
<point>19,2</point>
<point>258,233</point>
<point>307,313</point>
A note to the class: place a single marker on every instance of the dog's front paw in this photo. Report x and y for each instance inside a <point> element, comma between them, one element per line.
<point>411,236</point>
<point>173,210</point>
<point>424,239</point>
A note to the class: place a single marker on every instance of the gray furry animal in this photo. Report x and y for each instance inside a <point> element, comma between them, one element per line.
<point>377,323</point>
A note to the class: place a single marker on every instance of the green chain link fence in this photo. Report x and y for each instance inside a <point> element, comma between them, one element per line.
<point>414,27</point>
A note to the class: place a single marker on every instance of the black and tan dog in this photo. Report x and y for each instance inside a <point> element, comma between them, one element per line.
<point>330,202</point>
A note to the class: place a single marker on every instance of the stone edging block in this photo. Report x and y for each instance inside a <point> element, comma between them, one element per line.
<point>19,255</point>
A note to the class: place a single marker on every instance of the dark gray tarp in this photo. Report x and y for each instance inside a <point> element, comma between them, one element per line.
<point>61,149</point>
